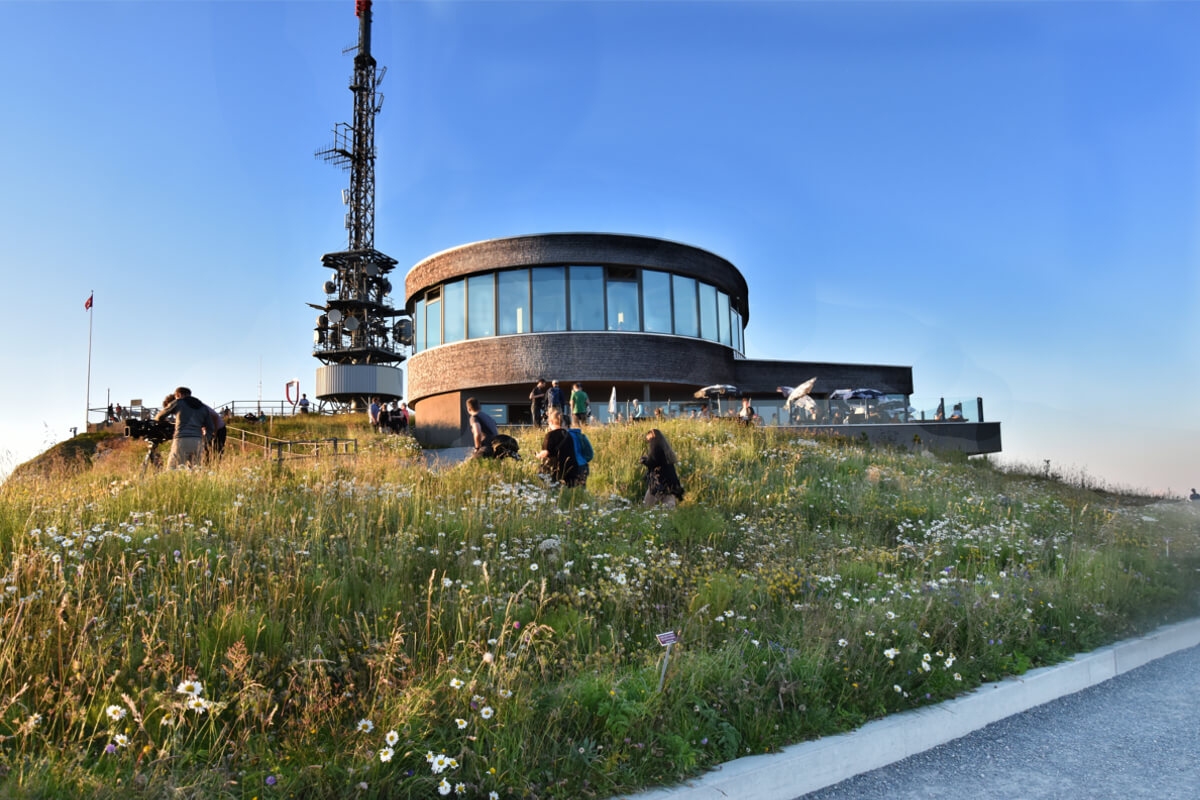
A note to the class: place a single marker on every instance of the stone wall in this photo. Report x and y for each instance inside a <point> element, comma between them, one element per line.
<point>972,438</point>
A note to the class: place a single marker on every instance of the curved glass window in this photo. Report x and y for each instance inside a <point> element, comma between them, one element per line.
<point>454,312</point>
<point>481,306</point>
<point>623,300</point>
<point>419,326</point>
<point>723,318</point>
<point>683,291</point>
<point>587,298</point>
<point>708,312</point>
<point>656,301</point>
<point>575,298</point>
<point>549,299</point>
<point>433,321</point>
<point>514,301</point>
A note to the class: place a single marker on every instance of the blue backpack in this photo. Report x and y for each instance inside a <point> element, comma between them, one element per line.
<point>583,448</point>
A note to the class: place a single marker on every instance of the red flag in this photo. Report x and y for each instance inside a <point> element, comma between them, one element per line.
<point>88,303</point>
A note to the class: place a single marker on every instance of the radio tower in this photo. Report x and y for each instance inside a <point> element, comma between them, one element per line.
<point>356,339</point>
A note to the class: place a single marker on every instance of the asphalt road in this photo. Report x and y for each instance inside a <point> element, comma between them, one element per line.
<point>1137,735</point>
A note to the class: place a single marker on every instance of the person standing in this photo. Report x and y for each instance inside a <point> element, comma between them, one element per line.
<point>402,418</point>
<point>636,412</point>
<point>483,430</point>
<point>537,402</point>
<point>662,482</point>
<point>580,407</point>
<point>193,420</point>
<point>303,404</point>
<point>373,412</point>
<point>746,415</point>
<point>555,398</point>
<point>216,442</point>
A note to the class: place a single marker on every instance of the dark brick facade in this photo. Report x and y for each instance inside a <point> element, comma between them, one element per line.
<point>763,377</point>
<point>601,357</point>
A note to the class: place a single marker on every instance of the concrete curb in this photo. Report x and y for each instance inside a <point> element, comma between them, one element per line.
<point>810,766</point>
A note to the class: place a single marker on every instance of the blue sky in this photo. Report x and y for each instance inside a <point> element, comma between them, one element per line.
<point>1001,195</point>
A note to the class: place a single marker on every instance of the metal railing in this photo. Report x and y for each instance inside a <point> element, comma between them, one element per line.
<point>320,447</point>
<point>281,450</point>
<point>286,449</point>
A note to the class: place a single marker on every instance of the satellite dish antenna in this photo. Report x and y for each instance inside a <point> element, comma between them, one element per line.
<point>335,316</point>
<point>330,287</point>
<point>402,330</point>
<point>387,286</point>
<point>322,322</point>
<point>372,270</point>
<point>351,324</point>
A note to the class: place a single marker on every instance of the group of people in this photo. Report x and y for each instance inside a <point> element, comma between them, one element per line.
<point>548,396</point>
<point>567,452</point>
<point>391,417</point>
<point>197,429</point>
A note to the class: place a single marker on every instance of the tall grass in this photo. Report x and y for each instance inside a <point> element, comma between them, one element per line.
<point>365,627</point>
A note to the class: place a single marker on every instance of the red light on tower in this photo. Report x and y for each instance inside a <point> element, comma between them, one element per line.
<point>360,6</point>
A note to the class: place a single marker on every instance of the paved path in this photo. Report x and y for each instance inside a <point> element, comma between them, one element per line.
<point>1135,736</point>
<point>446,457</point>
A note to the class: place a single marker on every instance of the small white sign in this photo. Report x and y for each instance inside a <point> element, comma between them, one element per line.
<point>667,638</point>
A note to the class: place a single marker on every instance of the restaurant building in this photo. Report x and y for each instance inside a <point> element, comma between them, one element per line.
<point>653,319</point>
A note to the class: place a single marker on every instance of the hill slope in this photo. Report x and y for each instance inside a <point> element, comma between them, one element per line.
<point>362,627</point>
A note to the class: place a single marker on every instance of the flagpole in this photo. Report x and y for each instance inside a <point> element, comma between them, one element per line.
<point>89,369</point>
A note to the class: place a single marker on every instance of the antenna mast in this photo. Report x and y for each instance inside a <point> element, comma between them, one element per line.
<point>354,337</point>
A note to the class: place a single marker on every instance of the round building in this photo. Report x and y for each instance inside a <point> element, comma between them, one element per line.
<point>651,318</point>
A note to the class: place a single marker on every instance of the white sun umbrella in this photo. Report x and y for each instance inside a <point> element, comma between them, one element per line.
<point>612,404</point>
<point>799,392</point>
<point>804,401</point>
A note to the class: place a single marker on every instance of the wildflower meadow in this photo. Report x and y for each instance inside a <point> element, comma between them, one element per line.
<point>368,628</point>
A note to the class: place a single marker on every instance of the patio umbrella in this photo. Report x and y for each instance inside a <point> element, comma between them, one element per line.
<point>612,403</point>
<point>801,391</point>
<point>804,401</point>
<point>866,394</point>
<point>716,390</point>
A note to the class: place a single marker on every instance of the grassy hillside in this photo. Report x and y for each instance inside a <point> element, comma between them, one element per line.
<point>366,628</point>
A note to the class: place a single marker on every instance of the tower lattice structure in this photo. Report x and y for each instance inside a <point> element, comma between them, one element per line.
<point>358,325</point>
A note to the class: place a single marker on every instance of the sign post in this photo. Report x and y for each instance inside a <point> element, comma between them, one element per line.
<point>666,640</point>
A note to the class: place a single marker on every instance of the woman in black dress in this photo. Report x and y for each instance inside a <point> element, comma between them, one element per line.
<point>558,451</point>
<point>662,482</point>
